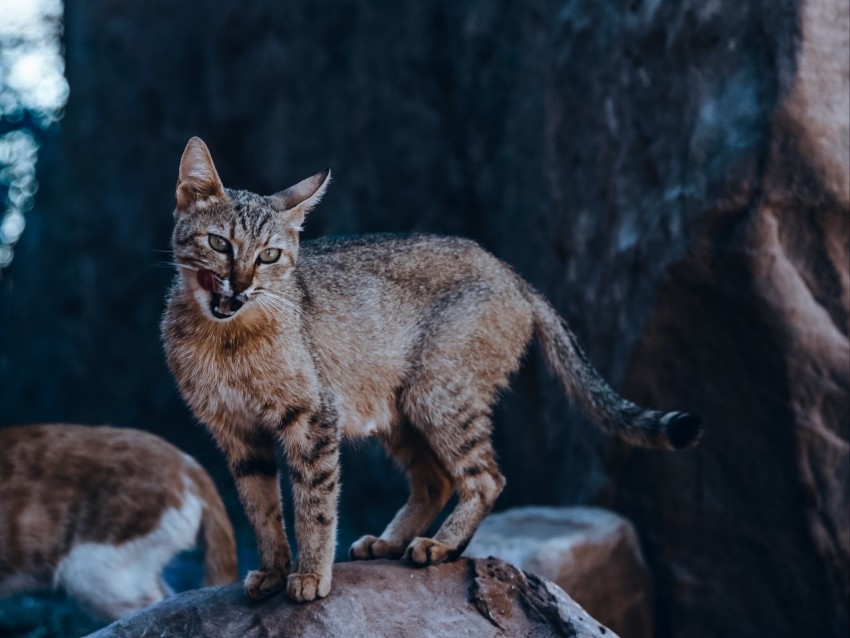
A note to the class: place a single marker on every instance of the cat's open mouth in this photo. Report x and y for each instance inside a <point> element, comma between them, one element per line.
<point>221,307</point>
<point>224,307</point>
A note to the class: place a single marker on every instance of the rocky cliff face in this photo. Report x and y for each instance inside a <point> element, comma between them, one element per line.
<point>673,174</point>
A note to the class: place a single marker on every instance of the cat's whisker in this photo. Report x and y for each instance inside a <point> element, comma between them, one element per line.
<point>280,302</point>
<point>266,302</point>
<point>283,310</point>
<point>281,299</point>
<point>262,305</point>
<point>178,265</point>
<point>280,308</point>
<point>289,308</point>
<point>174,264</point>
<point>283,303</point>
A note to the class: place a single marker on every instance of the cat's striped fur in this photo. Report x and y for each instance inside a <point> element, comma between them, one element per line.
<point>408,339</point>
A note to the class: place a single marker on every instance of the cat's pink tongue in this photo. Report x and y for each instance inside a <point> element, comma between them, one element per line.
<point>206,280</point>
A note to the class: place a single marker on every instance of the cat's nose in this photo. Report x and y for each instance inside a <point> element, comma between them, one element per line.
<point>240,283</point>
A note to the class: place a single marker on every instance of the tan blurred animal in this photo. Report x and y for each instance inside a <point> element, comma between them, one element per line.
<point>406,338</point>
<point>99,511</point>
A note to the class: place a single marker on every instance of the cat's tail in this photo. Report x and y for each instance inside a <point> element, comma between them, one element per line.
<point>601,404</point>
<point>216,534</point>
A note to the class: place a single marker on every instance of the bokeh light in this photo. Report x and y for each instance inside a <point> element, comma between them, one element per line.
<point>33,92</point>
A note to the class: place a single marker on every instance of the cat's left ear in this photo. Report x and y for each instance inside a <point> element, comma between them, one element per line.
<point>296,201</point>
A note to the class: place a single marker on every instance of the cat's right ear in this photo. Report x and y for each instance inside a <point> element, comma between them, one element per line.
<point>296,201</point>
<point>198,179</point>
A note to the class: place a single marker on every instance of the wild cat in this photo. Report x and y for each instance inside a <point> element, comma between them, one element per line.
<point>99,511</point>
<point>405,338</point>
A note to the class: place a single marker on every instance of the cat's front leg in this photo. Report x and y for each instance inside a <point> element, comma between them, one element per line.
<point>250,454</point>
<point>312,448</point>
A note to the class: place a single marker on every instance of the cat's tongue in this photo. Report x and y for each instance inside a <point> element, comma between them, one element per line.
<point>206,280</point>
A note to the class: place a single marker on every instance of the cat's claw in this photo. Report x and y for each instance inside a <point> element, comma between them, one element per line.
<point>371,547</point>
<point>427,551</point>
<point>304,587</point>
<point>260,585</point>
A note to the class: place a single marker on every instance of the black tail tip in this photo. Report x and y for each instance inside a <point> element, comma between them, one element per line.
<point>683,430</point>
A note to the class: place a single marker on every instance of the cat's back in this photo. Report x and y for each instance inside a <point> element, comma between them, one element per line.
<point>368,250</point>
<point>417,267</point>
<point>378,303</point>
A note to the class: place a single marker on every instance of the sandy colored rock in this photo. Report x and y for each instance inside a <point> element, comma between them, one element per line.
<point>591,553</point>
<point>379,598</point>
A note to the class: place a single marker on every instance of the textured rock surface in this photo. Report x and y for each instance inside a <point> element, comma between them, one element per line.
<point>671,173</point>
<point>590,553</point>
<point>380,598</point>
<point>752,327</point>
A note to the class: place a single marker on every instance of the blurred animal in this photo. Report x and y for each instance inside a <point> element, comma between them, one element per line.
<point>406,338</point>
<point>99,511</point>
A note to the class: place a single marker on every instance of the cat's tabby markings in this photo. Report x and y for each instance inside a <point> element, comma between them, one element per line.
<point>406,338</point>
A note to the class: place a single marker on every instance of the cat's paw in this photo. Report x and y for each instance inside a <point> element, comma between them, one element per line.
<point>304,587</point>
<point>371,547</point>
<point>260,584</point>
<point>427,551</point>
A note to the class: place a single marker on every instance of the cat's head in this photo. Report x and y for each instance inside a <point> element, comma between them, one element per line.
<point>235,249</point>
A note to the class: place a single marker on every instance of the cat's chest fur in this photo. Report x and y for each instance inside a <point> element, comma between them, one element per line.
<point>242,376</point>
<point>242,380</point>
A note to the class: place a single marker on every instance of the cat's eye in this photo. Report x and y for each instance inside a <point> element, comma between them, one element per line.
<point>219,243</point>
<point>269,256</point>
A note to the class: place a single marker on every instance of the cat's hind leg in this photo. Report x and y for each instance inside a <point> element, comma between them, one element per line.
<point>465,356</point>
<point>430,488</point>
<point>449,403</point>
<point>479,483</point>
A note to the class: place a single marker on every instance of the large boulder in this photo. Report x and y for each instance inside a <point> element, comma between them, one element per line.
<point>592,554</point>
<point>380,598</point>
<point>751,533</point>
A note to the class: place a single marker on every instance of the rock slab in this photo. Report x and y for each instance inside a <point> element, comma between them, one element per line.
<point>591,553</point>
<point>469,597</point>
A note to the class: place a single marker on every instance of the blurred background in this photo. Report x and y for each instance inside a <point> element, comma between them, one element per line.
<point>673,174</point>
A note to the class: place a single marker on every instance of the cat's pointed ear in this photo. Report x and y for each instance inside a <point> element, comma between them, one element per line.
<point>296,201</point>
<point>198,179</point>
